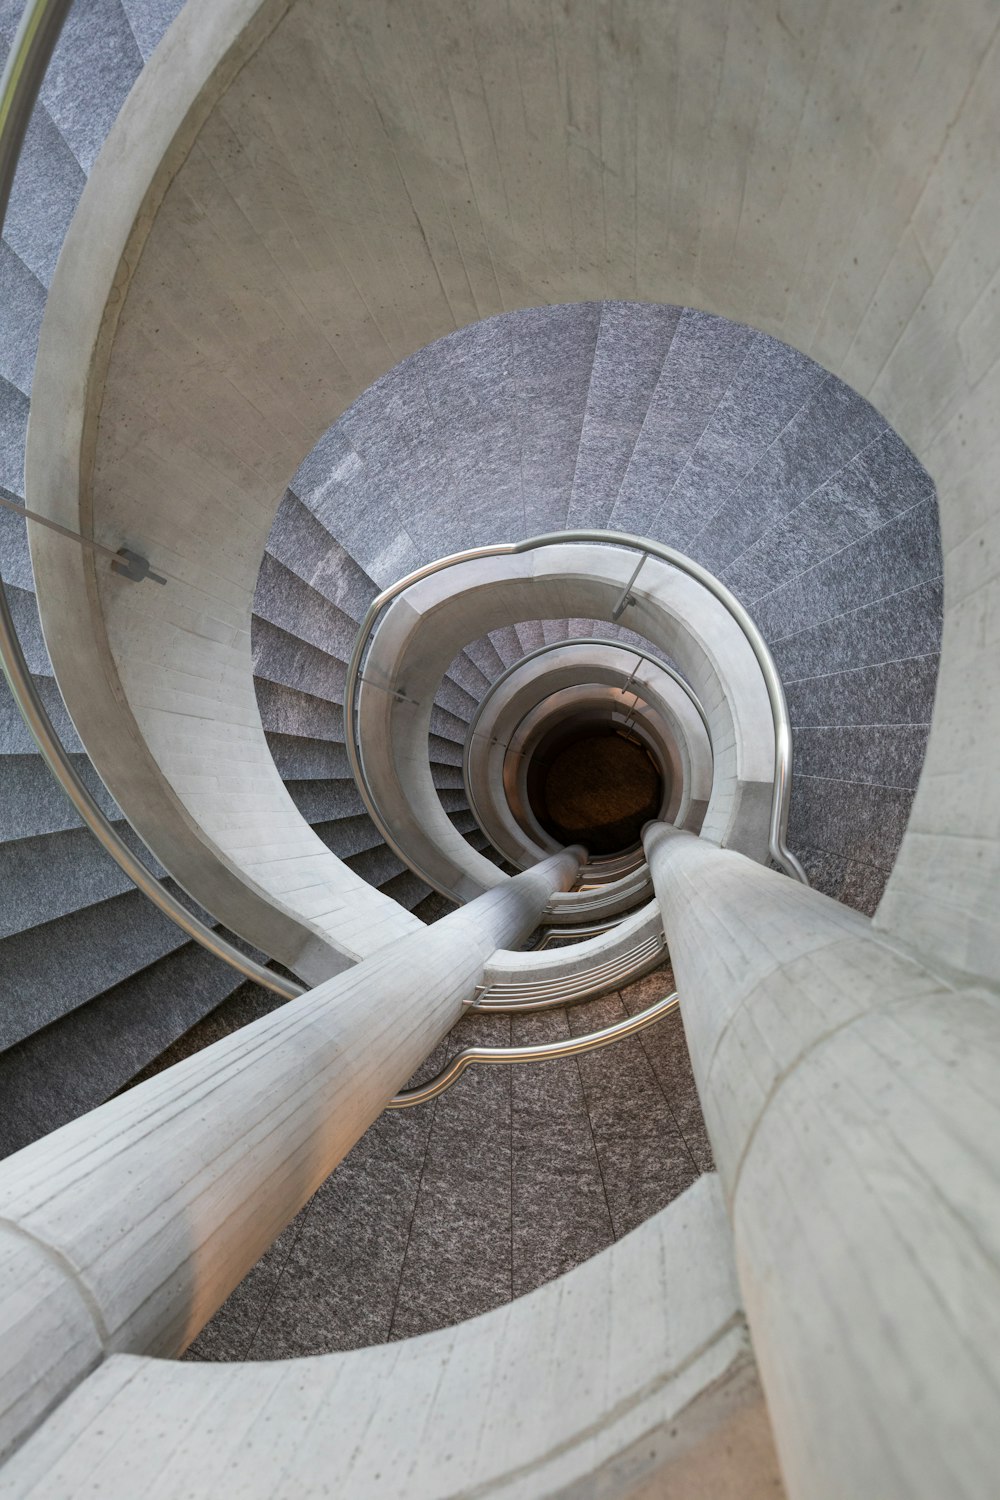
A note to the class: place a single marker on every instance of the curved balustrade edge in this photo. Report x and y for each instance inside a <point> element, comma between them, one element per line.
<point>30,53</point>
<point>777,846</point>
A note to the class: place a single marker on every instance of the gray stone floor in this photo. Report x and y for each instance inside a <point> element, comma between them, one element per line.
<point>452,1208</point>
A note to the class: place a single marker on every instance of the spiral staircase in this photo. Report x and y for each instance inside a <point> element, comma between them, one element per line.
<point>593,508</point>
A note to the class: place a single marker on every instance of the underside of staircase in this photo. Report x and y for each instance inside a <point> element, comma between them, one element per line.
<point>654,420</point>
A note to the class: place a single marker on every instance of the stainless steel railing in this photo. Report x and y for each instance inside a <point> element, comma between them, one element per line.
<point>539,1052</point>
<point>777,846</point>
<point>30,53</point>
<point>565,989</point>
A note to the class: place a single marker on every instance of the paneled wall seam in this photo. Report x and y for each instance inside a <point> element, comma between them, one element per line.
<point>62,1263</point>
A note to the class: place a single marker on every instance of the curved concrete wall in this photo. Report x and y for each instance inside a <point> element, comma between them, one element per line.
<point>222,179</point>
<point>417,638</point>
<point>661,711</point>
<point>741,452</point>
<point>882,264</point>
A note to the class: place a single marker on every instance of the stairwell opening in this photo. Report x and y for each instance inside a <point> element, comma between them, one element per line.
<point>595,785</point>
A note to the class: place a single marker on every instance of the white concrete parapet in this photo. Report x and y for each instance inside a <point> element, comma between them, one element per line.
<point>850,1095</point>
<point>510,1404</point>
<point>422,629</point>
<point>126,1229</point>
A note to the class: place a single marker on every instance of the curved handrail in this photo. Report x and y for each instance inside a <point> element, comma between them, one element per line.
<point>539,1052</point>
<point>565,989</point>
<point>555,934</point>
<point>30,53</point>
<point>583,640</point>
<point>777,847</point>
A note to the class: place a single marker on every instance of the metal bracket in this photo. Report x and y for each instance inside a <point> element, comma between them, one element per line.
<point>627,598</point>
<point>396,693</point>
<point>129,564</point>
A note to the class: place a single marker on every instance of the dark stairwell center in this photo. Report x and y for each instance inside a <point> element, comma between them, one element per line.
<point>595,786</point>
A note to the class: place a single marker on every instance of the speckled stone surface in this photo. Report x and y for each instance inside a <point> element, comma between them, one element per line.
<point>376,865</point>
<point>510,1178</point>
<point>286,659</point>
<point>23,295</point>
<point>879,482</point>
<point>320,800</point>
<point>706,435</point>
<point>13,430</point>
<point>24,612</point>
<point>552,354</point>
<point>34,803</point>
<point>560,1210</point>
<point>406,888</point>
<point>149,19</point>
<point>894,558</point>
<point>49,970</point>
<point>63,1070</point>
<point>303,546</point>
<point>299,758</point>
<point>633,340</point>
<point>46,191</point>
<point>704,356</point>
<point>506,644</point>
<point>288,711</point>
<point>347,835</point>
<point>95,63</point>
<point>15,560</point>
<point>645,1161</point>
<point>827,432</point>
<point>288,603</point>
<point>50,876</point>
<point>15,736</point>
<point>772,384</point>
<point>356,504</point>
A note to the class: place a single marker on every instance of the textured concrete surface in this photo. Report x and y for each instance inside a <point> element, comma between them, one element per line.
<point>183,1135</point>
<point>713,438</point>
<point>512,1177</point>
<point>884,264</point>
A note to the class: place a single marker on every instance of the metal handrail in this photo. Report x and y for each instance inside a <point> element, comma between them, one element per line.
<point>556,934</point>
<point>30,53</point>
<point>777,847</point>
<point>539,1052</point>
<point>545,994</point>
<point>539,651</point>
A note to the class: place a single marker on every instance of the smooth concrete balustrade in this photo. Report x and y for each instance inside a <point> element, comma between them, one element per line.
<point>161,690</point>
<point>422,629</point>
<point>503,1405</point>
<point>658,703</point>
<point>125,1230</point>
<point>632,935</point>
<point>849,1090</point>
<point>881,267</point>
<point>594,903</point>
